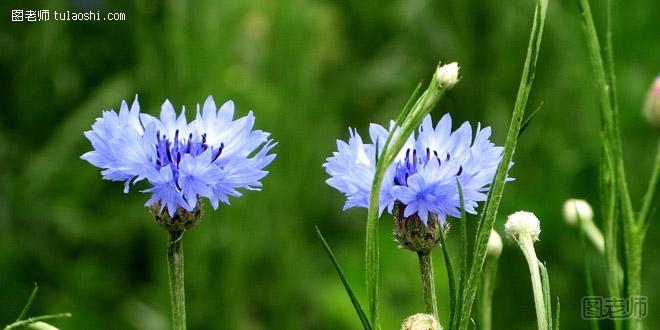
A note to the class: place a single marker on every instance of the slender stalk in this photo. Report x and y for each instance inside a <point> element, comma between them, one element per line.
<point>453,292</point>
<point>486,291</point>
<point>464,247</point>
<point>175,270</point>
<point>428,283</point>
<point>632,233</point>
<point>490,210</point>
<point>22,323</point>
<point>527,247</point>
<point>651,195</point>
<point>587,266</point>
<point>28,304</point>
<point>608,197</point>
<point>411,120</point>
<point>595,236</point>
<point>634,274</point>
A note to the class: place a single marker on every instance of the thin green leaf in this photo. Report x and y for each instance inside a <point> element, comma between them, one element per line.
<point>557,309</point>
<point>409,104</point>
<point>28,304</point>
<point>652,191</point>
<point>450,279</point>
<point>609,51</point>
<point>587,266</point>
<point>545,280</point>
<point>497,188</point>
<point>611,141</point>
<point>344,280</point>
<point>464,246</point>
<point>486,290</point>
<point>529,119</point>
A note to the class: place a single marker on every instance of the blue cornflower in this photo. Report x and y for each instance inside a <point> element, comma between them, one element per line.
<point>212,157</point>
<point>422,179</point>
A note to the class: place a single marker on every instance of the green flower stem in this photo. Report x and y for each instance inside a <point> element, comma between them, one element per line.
<point>527,246</point>
<point>651,195</point>
<point>175,269</point>
<point>634,272</point>
<point>451,281</point>
<point>487,288</point>
<point>411,120</point>
<point>633,228</point>
<point>428,283</point>
<point>28,321</point>
<point>595,236</point>
<point>489,213</point>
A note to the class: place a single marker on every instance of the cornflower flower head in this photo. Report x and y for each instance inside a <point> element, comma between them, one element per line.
<point>211,157</point>
<point>421,185</point>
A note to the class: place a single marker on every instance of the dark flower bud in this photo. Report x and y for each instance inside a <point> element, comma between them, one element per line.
<point>180,221</point>
<point>413,234</point>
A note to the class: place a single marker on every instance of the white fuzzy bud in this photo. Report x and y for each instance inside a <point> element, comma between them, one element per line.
<point>421,322</point>
<point>577,209</point>
<point>447,75</point>
<point>523,223</point>
<point>494,247</point>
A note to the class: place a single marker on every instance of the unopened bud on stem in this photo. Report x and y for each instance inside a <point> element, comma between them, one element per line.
<point>494,247</point>
<point>652,105</point>
<point>524,228</point>
<point>421,322</point>
<point>579,211</point>
<point>447,75</point>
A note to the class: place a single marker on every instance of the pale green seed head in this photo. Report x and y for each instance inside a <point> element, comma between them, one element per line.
<point>421,322</point>
<point>652,105</point>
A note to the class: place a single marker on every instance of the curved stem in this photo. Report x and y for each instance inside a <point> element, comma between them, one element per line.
<point>28,321</point>
<point>175,269</point>
<point>527,247</point>
<point>428,283</point>
<point>652,191</point>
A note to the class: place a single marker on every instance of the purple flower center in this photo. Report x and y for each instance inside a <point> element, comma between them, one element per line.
<point>408,166</point>
<point>169,152</point>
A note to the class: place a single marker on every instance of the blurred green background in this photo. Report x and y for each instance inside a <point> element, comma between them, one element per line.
<point>309,70</point>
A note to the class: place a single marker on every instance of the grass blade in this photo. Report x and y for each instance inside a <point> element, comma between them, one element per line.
<point>529,119</point>
<point>464,246</point>
<point>632,230</point>
<point>545,280</point>
<point>450,279</point>
<point>344,280</point>
<point>28,304</point>
<point>651,195</point>
<point>497,188</point>
<point>557,309</point>
<point>409,104</point>
<point>587,267</point>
